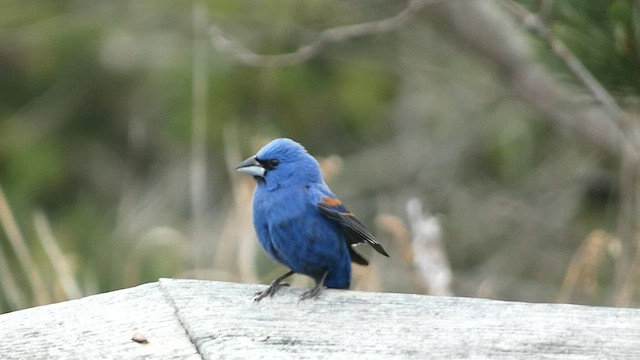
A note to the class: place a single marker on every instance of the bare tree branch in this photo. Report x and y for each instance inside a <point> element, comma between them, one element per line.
<point>326,37</point>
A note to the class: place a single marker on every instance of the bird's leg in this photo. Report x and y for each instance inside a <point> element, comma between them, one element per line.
<point>315,291</point>
<point>275,285</point>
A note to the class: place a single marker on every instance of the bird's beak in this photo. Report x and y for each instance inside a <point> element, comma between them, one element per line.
<point>251,166</point>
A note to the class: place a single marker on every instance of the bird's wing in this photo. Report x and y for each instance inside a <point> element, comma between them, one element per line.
<point>354,230</point>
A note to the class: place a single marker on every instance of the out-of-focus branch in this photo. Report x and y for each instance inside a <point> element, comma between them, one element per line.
<point>429,255</point>
<point>326,37</point>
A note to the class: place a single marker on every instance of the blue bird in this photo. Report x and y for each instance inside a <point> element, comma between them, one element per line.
<point>300,223</point>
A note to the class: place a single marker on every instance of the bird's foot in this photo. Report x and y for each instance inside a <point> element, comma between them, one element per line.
<point>273,288</point>
<point>270,291</point>
<point>311,293</point>
<point>316,290</point>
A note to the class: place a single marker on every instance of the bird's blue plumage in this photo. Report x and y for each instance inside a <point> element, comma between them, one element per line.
<point>299,221</point>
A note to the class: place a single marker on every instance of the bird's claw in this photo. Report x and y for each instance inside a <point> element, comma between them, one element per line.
<point>311,293</point>
<point>316,290</point>
<point>270,291</point>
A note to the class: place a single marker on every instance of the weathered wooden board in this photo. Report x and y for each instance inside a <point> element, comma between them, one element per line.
<point>214,320</point>
<point>224,322</point>
<point>98,327</point>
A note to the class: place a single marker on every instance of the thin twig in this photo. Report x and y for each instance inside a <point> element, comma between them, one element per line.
<point>326,37</point>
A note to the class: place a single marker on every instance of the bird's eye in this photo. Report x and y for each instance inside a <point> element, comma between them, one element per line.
<point>274,162</point>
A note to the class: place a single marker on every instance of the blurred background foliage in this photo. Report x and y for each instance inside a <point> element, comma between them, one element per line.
<point>121,123</point>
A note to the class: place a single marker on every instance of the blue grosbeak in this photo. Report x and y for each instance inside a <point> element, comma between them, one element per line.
<point>300,222</point>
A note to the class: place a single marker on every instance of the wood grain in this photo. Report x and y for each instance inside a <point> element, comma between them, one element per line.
<point>193,319</point>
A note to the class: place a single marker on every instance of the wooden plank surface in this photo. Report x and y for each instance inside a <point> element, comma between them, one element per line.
<point>189,319</point>
<point>224,322</point>
<point>98,327</point>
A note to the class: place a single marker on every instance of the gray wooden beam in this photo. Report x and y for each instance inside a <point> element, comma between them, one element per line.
<point>98,327</point>
<point>205,319</point>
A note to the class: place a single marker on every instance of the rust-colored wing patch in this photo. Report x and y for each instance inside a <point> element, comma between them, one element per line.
<point>331,202</point>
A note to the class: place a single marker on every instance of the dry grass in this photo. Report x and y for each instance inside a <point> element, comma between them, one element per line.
<point>39,290</point>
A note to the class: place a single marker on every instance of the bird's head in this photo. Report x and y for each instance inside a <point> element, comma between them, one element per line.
<point>282,162</point>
